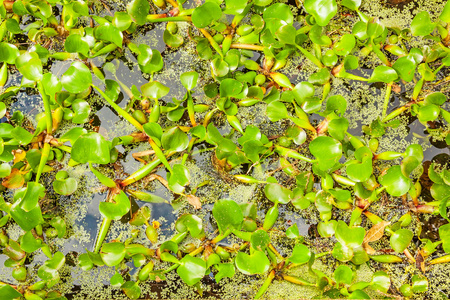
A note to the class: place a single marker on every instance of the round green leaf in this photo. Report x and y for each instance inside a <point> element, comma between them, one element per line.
<point>300,255</point>
<point>8,53</point>
<point>421,24</point>
<point>174,139</point>
<point>400,239</point>
<point>405,67</point>
<point>322,10</point>
<point>349,236</point>
<point>91,147</point>
<point>116,210</point>
<point>75,44</point>
<point>107,32</point>
<point>278,193</point>
<point>343,275</point>
<point>77,78</point>
<point>150,61</point>
<point>230,87</point>
<point>383,74</point>
<point>344,45</point>
<point>228,215</point>
<point>205,14</point>
<point>112,253</point>
<point>192,269</point>
<point>279,11</point>
<point>327,150</point>
<point>154,90</point>
<point>189,80</point>
<point>121,20</point>
<point>256,263</point>
<point>395,182</point>
<point>260,240</point>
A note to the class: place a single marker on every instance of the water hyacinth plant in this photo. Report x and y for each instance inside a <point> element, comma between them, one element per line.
<point>225,149</point>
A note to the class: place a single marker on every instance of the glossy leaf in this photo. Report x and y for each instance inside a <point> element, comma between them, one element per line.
<point>192,269</point>
<point>205,14</point>
<point>228,215</point>
<point>91,147</point>
<point>256,263</point>
<point>322,10</point>
<point>77,78</point>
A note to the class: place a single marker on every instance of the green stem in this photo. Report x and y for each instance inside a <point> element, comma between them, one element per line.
<point>265,285</point>
<point>247,47</point>
<point>158,18</point>
<point>43,161</point>
<point>159,154</point>
<point>238,18</point>
<point>309,56</point>
<point>102,232</point>
<point>190,107</point>
<point>141,173</point>
<point>119,110</point>
<point>386,99</point>
<point>296,280</point>
<point>211,41</point>
<point>65,148</point>
<point>292,154</point>
<point>221,236</point>
<point>47,108</point>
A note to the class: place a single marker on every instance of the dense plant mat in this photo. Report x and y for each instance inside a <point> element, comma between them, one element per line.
<point>224,149</point>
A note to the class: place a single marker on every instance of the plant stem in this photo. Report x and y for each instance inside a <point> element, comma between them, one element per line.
<point>247,47</point>
<point>440,260</point>
<point>296,280</point>
<point>221,236</point>
<point>47,108</point>
<point>265,285</point>
<point>309,56</point>
<point>272,248</point>
<point>119,110</point>
<point>211,41</point>
<point>191,112</point>
<point>141,173</point>
<point>159,154</point>
<point>161,18</point>
<point>104,227</point>
<point>292,154</point>
<point>43,161</point>
<point>386,99</point>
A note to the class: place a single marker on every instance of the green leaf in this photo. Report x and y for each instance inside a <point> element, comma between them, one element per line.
<point>75,44</point>
<point>91,147</point>
<point>205,14</point>
<point>154,90</point>
<point>276,110</point>
<point>279,11</point>
<point>260,240</point>
<point>107,32</point>
<point>285,34</point>
<point>51,84</point>
<point>383,74</point>
<point>419,284</point>
<point>444,234</point>
<point>327,150</point>
<point>405,67</point>
<point>278,193</point>
<point>421,24</point>
<point>122,20</point>
<point>77,78</point>
<point>428,113</point>
<point>345,45</point>
<point>235,7</point>
<point>190,223</point>
<point>172,40</point>
<point>64,185</point>
<point>343,275</point>
<point>322,10</point>
<point>131,289</point>
<point>8,53</point>
<point>225,270</point>
<point>21,135</point>
<point>112,253</point>
<point>380,281</point>
<point>174,139</point>
<point>30,65</point>
<point>317,36</point>
<point>351,4</point>
<point>401,239</point>
<point>395,182</point>
<point>138,10</point>
<point>117,209</point>
<point>445,14</point>
<point>256,263</point>
<point>228,215</point>
<point>8,292</point>
<point>82,110</point>
<point>230,87</point>
<point>29,243</point>
<point>300,255</point>
<point>189,80</point>
<point>349,236</point>
<point>192,269</point>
